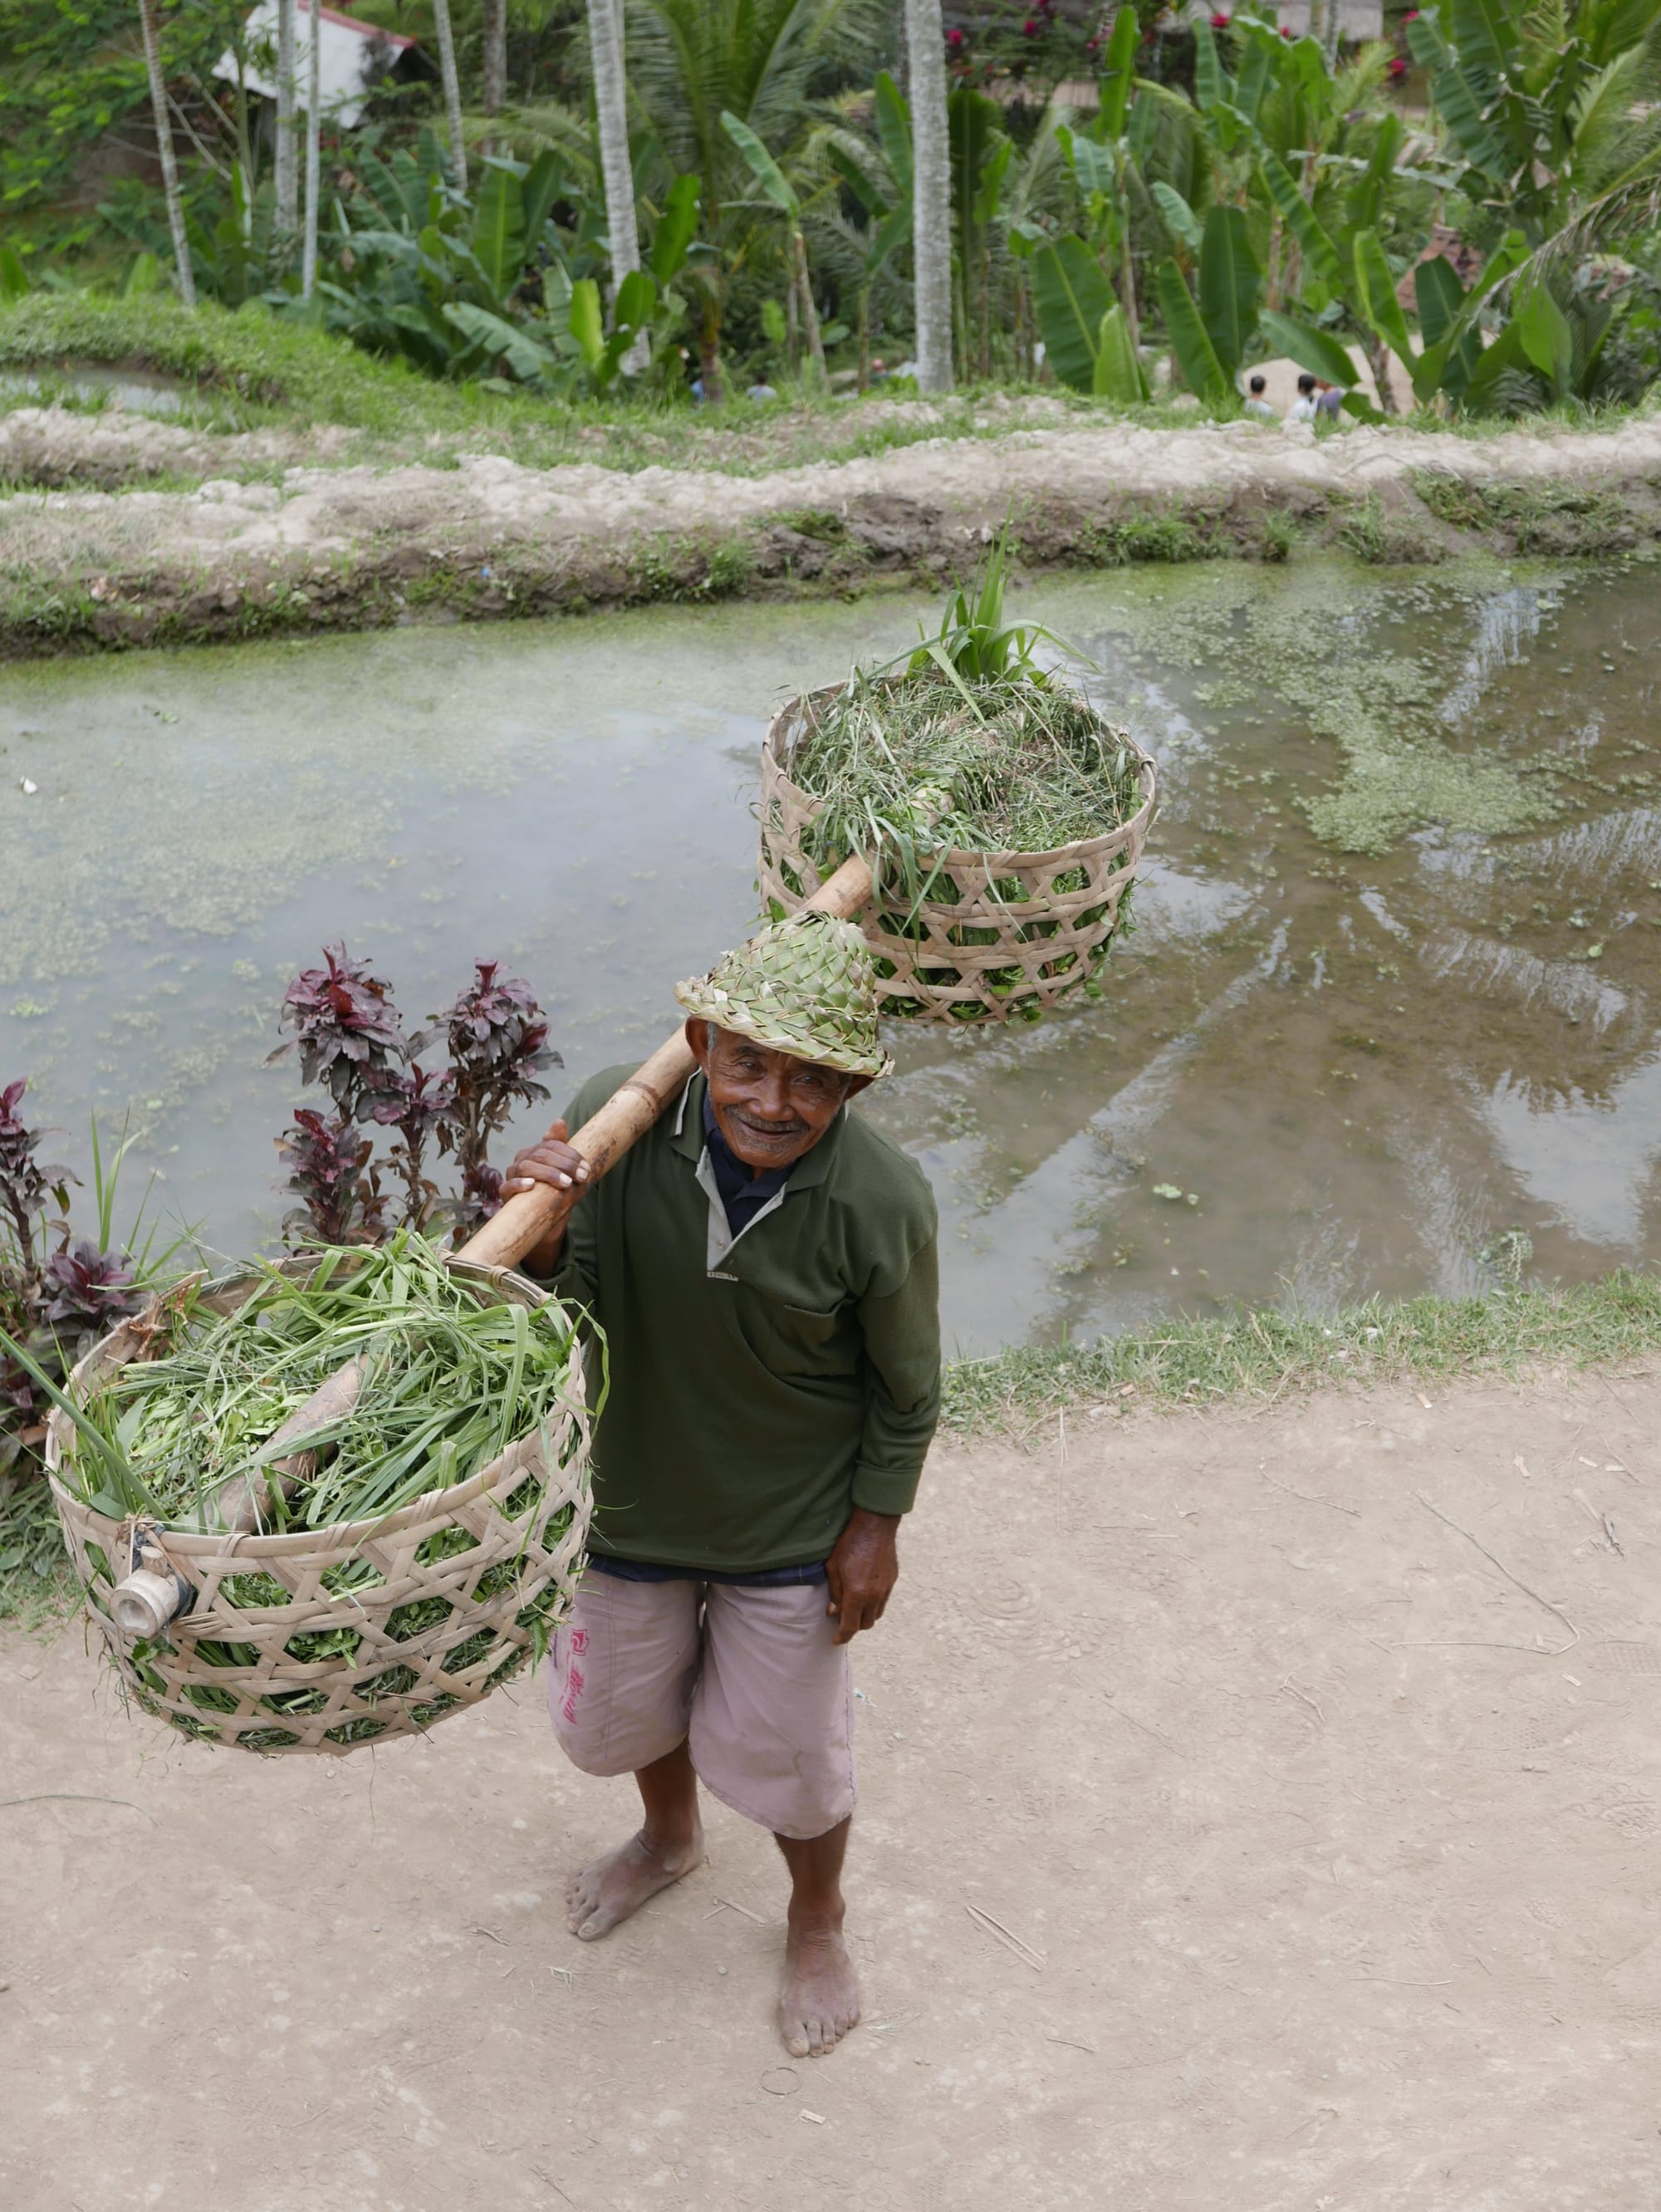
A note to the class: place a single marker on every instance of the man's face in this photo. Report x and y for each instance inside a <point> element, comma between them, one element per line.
<point>769,1106</point>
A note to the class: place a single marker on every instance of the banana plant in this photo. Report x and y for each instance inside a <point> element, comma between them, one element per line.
<point>1088,340</point>
<point>879,178</point>
<point>778,192</point>
<point>1551,109</point>
<point>1211,337</point>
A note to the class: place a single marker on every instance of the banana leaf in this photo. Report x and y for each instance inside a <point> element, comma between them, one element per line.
<point>1071,295</point>
<point>1230,281</point>
<point>1201,372</point>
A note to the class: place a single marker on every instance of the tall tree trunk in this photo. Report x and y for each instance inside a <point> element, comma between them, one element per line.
<point>1378,355</point>
<point>164,140</point>
<point>452,106</point>
<point>308,267</point>
<point>605,39</point>
<point>496,55</point>
<point>287,185</point>
<point>931,212</point>
<point>798,248</point>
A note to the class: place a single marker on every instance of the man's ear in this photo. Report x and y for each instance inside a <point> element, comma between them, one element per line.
<point>856,1084</point>
<point>697,1036</point>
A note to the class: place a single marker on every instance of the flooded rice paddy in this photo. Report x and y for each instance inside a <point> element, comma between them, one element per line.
<point>1388,1021</point>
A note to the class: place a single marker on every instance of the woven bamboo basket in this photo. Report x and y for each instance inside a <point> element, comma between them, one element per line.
<point>461,1587</point>
<point>1000,935</point>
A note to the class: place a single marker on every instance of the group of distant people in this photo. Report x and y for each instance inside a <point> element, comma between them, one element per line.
<point>1315,400</point>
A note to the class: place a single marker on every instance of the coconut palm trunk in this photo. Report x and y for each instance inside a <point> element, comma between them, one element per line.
<point>308,267</point>
<point>287,177</point>
<point>605,35</point>
<point>164,141</point>
<point>452,106</point>
<point>931,216</point>
<point>493,15</point>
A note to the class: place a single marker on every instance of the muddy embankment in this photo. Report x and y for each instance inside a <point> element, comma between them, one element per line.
<point>269,547</point>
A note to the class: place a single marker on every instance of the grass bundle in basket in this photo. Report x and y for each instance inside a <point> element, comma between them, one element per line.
<point>1004,816</point>
<point>405,1547</point>
<point>448,1383</point>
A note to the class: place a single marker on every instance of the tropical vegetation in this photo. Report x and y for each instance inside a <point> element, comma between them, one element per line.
<point>678,201</point>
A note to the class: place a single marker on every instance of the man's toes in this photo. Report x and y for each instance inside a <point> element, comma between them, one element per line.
<point>797,2041</point>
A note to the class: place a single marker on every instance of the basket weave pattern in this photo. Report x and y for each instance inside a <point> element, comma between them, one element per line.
<point>1004,933</point>
<point>467,1578</point>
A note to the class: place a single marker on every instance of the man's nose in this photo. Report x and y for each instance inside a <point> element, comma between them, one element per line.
<point>773,1100</point>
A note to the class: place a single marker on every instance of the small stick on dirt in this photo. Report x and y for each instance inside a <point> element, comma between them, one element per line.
<point>1068,2043</point>
<point>744,1908</point>
<point>1289,1683</point>
<point>77,1797</point>
<point>1354,1511</point>
<point>1615,1545</point>
<point>1023,1951</point>
<point>1574,1634</point>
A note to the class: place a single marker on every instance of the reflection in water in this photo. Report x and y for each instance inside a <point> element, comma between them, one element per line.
<point>1352,1069</point>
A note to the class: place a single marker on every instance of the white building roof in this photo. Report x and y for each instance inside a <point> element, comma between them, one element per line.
<point>352,58</point>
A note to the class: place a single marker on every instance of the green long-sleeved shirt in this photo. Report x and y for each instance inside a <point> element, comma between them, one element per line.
<point>760,1388</point>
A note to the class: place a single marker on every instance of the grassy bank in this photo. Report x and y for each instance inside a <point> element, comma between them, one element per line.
<point>1254,1356</point>
<point>250,372</point>
<point>1264,1352</point>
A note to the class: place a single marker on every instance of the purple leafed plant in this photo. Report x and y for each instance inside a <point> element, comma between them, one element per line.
<point>347,1030</point>
<point>25,1184</point>
<point>498,1042</point>
<point>351,1040</point>
<point>419,1107</point>
<point>89,1289</point>
<point>52,1301</point>
<point>327,1160</point>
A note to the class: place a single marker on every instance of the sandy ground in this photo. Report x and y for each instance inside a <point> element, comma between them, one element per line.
<point>350,544</point>
<point>1331,1876</point>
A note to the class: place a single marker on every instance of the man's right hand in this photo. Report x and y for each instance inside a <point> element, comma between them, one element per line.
<point>553,1162</point>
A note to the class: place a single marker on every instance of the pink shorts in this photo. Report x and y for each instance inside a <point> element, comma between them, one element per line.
<point>748,1677</point>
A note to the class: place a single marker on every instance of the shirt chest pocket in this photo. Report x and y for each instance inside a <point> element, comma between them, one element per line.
<point>792,1339</point>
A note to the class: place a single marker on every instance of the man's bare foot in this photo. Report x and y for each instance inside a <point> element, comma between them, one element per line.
<point>821,1999</point>
<point>601,1895</point>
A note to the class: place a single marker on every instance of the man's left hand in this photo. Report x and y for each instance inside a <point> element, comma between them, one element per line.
<point>861,1571</point>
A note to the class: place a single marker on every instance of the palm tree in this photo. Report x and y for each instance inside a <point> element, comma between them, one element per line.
<point>494,16</point>
<point>308,266</point>
<point>287,194</point>
<point>605,39</point>
<point>764,61</point>
<point>931,189</point>
<point>452,106</point>
<point>164,140</point>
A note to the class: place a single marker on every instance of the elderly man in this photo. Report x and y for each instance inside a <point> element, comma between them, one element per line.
<point>763,1265</point>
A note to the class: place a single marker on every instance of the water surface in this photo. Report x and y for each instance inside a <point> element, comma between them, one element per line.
<point>1362,1071</point>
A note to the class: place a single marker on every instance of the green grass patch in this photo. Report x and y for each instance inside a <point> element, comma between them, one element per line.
<point>1548,517</point>
<point>1262,1353</point>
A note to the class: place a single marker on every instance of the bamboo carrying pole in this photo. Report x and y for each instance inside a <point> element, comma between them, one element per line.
<point>148,1600</point>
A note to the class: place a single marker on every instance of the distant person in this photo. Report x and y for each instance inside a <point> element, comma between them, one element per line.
<point>1329,403</point>
<point>761,392</point>
<point>1303,407</point>
<point>1258,400</point>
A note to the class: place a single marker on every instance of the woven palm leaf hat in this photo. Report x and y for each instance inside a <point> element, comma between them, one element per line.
<point>804,985</point>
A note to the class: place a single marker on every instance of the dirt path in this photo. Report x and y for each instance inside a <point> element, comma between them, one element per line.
<point>347,546</point>
<point>1343,1876</point>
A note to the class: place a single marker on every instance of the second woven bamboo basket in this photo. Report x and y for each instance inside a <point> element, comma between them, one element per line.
<point>1000,935</point>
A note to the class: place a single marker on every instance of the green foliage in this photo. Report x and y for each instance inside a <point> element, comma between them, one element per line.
<point>71,76</point>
